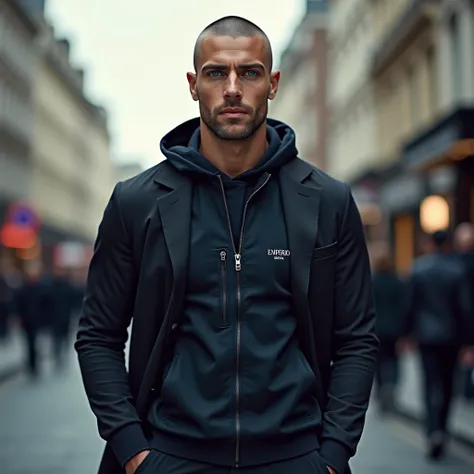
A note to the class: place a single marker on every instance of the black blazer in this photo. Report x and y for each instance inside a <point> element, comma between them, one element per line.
<point>138,272</point>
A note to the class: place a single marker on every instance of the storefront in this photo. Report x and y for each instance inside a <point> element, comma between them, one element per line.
<point>50,237</point>
<point>432,187</point>
<point>24,237</point>
<point>401,193</point>
<point>444,155</point>
<point>365,190</point>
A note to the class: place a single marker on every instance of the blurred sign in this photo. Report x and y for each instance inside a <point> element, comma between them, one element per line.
<point>20,227</point>
<point>23,215</point>
<point>71,255</point>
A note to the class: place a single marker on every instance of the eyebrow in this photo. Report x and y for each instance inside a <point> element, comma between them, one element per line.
<point>223,67</point>
<point>214,67</point>
<point>252,66</point>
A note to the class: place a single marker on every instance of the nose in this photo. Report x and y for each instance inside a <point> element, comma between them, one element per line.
<point>233,87</point>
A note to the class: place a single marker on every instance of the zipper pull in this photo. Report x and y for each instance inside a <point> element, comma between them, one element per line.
<point>223,255</point>
<point>238,264</point>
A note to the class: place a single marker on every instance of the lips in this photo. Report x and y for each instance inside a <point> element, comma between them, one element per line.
<point>233,111</point>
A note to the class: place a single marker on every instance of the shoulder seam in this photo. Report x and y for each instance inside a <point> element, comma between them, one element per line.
<point>119,206</point>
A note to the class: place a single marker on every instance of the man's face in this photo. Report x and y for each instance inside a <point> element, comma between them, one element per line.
<point>233,84</point>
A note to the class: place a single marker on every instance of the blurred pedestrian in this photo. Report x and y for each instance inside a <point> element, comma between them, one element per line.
<point>61,301</point>
<point>464,246</point>
<point>6,301</point>
<point>246,273</point>
<point>389,296</point>
<point>32,310</point>
<point>439,319</point>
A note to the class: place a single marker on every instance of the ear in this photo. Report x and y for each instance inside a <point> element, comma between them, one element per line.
<point>191,77</point>
<point>274,81</point>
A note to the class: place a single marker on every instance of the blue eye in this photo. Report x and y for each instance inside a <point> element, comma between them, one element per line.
<point>252,73</point>
<point>215,73</point>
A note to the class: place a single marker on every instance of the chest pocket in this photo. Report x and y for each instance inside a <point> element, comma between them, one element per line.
<point>325,252</point>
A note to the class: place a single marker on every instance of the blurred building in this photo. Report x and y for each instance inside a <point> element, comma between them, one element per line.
<point>352,143</point>
<point>36,7</point>
<point>301,98</point>
<point>423,73</point>
<point>127,169</point>
<point>17,69</point>
<point>406,76</point>
<point>401,92</point>
<point>72,174</point>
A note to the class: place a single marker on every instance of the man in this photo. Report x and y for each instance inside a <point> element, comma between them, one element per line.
<point>464,246</point>
<point>246,274</point>
<point>389,298</point>
<point>439,321</point>
<point>61,301</point>
<point>31,305</point>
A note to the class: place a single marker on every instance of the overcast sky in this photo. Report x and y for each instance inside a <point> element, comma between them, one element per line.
<point>136,55</point>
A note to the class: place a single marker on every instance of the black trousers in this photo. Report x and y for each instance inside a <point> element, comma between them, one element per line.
<point>31,336</point>
<point>159,463</point>
<point>387,366</point>
<point>439,366</point>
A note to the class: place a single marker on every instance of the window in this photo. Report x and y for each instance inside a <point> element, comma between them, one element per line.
<point>432,80</point>
<point>457,82</point>
<point>413,97</point>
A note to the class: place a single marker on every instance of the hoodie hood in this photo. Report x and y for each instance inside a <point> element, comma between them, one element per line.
<point>181,148</point>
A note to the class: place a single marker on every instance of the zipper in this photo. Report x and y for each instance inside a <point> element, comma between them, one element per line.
<point>223,258</point>
<point>238,268</point>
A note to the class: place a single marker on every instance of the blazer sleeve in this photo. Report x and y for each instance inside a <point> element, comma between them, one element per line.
<point>354,345</point>
<point>102,335</point>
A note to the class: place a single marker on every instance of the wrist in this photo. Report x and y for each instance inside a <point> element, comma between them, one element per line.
<point>133,463</point>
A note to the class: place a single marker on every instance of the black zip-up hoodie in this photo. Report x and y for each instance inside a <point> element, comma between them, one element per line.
<point>238,391</point>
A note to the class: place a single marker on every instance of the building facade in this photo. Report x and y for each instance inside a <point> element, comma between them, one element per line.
<point>423,74</point>
<point>406,68</point>
<point>17,69</point>
<point>352,153</point>
<point>301,99</point>
<point>351,101</point>
<point>127,169</point>
<point>72,171</point>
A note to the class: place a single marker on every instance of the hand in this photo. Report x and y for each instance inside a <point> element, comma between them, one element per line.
<point>132,465</point>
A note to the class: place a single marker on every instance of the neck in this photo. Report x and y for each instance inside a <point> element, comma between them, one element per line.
<point>233,157</point>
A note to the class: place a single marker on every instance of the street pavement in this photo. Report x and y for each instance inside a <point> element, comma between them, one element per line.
<point>12,352</point>
<point>46,427</point>
<point>410,399</point>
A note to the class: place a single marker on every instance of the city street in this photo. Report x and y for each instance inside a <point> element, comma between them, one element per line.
<point>46,428</point>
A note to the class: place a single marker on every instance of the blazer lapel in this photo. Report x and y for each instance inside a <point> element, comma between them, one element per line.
<point>301,210</point>
<point>175,215</point>
<point>174,212</point>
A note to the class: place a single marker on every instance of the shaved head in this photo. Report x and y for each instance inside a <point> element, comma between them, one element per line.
<point>235,27</point>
